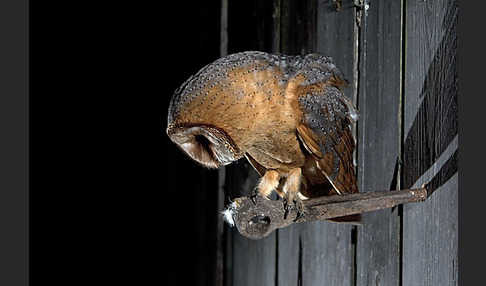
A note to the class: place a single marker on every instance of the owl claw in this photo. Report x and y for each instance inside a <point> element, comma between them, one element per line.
<point>297,205</point>
<point>253,196</point>
<point>286,208</point>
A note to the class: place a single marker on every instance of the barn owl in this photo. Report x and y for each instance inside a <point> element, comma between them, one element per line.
<point>287,115</point>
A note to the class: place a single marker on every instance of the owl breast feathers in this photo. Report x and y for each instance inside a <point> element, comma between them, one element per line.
<point>286,114</point>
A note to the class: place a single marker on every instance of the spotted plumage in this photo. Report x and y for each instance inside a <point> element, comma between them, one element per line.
<point>286,114</point>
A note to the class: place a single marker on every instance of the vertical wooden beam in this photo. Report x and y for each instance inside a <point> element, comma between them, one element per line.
<point>276,16</point>
<point>223,49</point>
<point>328,251</point>
<point>318,253</point>
<point>252,261</point>
<point>289,250</point>
<point>251,26</point>
<point>378,244</point>
<point>222,235</point>
<point>430,230</point>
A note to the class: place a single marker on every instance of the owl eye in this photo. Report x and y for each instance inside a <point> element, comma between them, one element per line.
<point>194,143</point>
<point>203,141</point>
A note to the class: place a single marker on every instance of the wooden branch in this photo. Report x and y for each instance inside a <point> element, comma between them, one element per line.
<point>258,220</point>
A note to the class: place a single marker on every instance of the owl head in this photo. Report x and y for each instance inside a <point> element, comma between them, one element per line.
<point>207,145</point>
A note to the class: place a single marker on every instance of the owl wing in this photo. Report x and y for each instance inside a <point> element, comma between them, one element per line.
<point>326,133</point>
<point>258,168</point>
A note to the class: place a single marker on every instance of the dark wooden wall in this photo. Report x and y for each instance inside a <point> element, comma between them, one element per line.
<point>191,42</point>
<point>400,58</point>
<point>394,53</point>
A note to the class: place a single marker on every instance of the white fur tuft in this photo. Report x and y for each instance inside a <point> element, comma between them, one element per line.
<point>228,214</point>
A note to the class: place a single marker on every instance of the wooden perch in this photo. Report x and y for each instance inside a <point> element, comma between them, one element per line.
<point>258,220</point>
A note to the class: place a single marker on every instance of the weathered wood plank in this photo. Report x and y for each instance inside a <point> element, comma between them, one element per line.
<point>327,254</point>
<point>288,267</point>
<point>252,262</point>
<point>250,27</point>
<point>328,251</point>
<point>293,18</point>
<point>430,125</point>
<point>318,253</point>
<point>336,37</point>
<point>378,239</point>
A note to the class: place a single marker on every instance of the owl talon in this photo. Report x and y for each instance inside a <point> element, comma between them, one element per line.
<point>286,208</point>
<point>253,196</point>
<point>299,206</point>
<point>299,215</point>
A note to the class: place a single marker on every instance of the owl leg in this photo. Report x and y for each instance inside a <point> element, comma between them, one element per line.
<point>291,189</point>
<point>268,183</point>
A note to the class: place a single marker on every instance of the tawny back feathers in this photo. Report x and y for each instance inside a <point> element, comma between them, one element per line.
<point>281,112</point>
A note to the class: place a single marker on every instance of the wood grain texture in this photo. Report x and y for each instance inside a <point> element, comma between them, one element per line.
<point>423,249</point>
<point>378,239</point>
<point>327,248</point>
<point>252,262</point>
<point>288,239</point>
<point>251,27</point>
<point>430,124</point>
<point>336,37</point>
<point>288,255</point>
<point>327,254</point>
<point>318,253</point>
